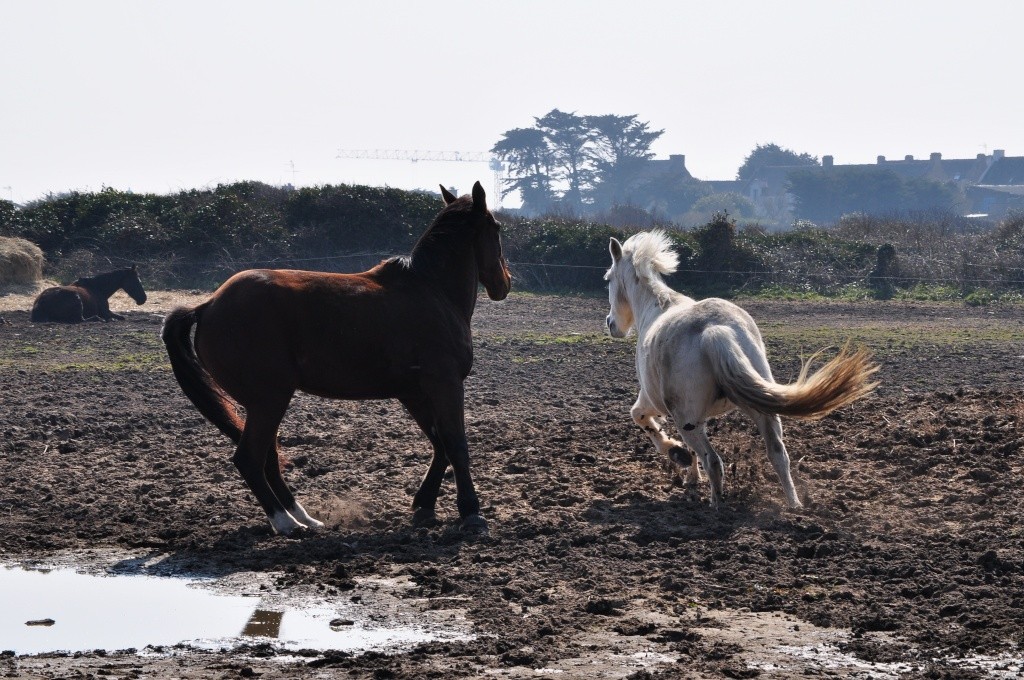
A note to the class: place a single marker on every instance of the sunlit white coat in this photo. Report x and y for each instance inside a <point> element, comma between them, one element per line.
<point>698,359</point>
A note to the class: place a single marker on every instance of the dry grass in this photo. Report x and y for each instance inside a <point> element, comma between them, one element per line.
<point>21,263</point>
<point>157,302</point>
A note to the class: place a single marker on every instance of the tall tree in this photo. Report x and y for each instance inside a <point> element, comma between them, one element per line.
<point>526,152</point>
<point>570,140</point>
<point>766,155</point>
<point>622,145</point>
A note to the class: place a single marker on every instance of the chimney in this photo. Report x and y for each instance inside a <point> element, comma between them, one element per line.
<point>677,159</point>
<point>908,157</point>
<point>880,159</point>
<point>998,154</point>
<point>826,161</point>
<point>935,157</point>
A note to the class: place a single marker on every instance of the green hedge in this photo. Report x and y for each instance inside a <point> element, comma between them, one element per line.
<point>198,238</point>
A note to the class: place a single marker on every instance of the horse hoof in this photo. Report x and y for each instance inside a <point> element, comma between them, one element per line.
<point>424,518</point>
<point>680,456</point>
<point>474,525</point>
<point>296,533</point>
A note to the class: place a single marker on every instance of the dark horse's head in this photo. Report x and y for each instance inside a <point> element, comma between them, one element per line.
<point>490,263</point>
<point>132,284</point>
<point>126,279</point>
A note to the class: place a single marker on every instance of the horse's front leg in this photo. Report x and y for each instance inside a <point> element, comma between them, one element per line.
<point>444,397</point>
<point>103,311</point>
<point>675,456</point>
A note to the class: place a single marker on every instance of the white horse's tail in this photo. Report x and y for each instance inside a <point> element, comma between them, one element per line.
<point>837,383</point>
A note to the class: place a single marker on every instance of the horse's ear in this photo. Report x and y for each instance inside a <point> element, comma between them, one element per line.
<point>448,196</point>
<point>479,198</point>
<point>615,248</point>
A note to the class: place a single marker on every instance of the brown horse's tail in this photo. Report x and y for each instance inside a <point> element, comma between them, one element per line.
<point>198,385</point>
<point>837,383</point>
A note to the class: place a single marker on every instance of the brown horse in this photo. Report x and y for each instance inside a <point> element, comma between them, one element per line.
<point>400,330</point>
<point>86,299</point>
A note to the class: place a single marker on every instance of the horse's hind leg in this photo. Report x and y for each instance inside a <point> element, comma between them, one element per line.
<point>697,439</point>
<point>425,500</point>
<point>259,438</point>
<point>770,427</point>
<point>673,453</point>
<point>272,470</point>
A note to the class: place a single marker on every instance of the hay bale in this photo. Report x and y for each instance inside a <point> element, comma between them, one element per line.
<point>21,262</point>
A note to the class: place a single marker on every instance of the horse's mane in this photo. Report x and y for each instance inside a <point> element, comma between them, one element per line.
<point>393,266</point>
<point>450,220</point>
<point>651,253</point>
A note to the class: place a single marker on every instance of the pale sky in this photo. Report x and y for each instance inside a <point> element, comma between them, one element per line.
<point>163,96</point>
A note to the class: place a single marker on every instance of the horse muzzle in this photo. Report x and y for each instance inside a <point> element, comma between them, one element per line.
<point>613,328</point>
<point>499,285</point>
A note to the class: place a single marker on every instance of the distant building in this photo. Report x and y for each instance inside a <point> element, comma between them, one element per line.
<point>1000,189</point>
<point>674,166</point>
<point>993,184</point>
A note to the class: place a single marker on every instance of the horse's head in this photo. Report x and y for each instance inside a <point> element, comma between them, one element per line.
<point>132,284</point>
<point>640,262</point>
<point>490,263</point>
<point>620,318</point>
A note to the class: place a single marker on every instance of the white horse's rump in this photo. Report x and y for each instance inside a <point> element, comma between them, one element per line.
<point>698,359</point>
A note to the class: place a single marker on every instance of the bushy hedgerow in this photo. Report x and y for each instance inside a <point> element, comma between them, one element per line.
<point>359,218</point>
<point>200,237</point>
<point>816,258</point>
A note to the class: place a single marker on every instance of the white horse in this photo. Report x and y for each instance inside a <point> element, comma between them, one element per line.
<point>699,359</point>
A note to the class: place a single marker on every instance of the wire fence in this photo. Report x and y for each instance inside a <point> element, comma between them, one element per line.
<point>187,272</point>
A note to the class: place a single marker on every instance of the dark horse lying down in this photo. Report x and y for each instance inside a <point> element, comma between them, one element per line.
<point>86,298</point>
<point>400,330</point>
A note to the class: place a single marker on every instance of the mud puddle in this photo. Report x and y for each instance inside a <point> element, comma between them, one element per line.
<point>61,608</point>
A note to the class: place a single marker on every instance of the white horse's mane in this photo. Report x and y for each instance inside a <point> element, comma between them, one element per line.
<point>651,253</point>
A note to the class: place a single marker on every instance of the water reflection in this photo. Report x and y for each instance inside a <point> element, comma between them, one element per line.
<point>263,623</point>
<point>60,609</point>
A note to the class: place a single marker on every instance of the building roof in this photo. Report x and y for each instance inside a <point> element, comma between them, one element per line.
<point>1005,171</point>
<point>675,164</point>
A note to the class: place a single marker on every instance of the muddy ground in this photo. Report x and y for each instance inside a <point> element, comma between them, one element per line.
<point>911,544</point>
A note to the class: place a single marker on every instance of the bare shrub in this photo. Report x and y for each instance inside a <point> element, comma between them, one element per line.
<point>21,262</point>
<point>76,264</point>
<point>944,248</point>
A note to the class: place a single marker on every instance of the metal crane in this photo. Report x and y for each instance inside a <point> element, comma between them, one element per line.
<point>493,162</point>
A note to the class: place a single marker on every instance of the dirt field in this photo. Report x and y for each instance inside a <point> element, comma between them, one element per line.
<point>908,560</point>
